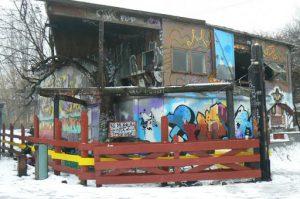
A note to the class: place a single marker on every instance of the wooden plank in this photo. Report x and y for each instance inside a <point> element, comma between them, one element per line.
<point>164,129</point>
<point>117,157</point>
<point>178,177</point>
<point>233,152</point>
<point>61,143</point>
<point>115,172</point>
<point>175,162</point>
<point>87,175</point>
<point>156,171</point>
<point>178,147</point>
<point>197,169</point>
<point>64,169</point>
<point>236,167</point>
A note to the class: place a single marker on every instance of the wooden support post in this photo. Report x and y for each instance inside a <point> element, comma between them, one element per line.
<point>11,140</point>
<point>57,149</point>
<point>55,110</point>
<point>36,126</point>
<point>164,129</point>
<point>3,138</point>
<point>22,134</point>
<point>230,114</point>
<point>100,52</point>
<point>84,140</point>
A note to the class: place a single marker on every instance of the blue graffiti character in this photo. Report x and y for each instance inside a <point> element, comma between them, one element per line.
<point>181,115</point>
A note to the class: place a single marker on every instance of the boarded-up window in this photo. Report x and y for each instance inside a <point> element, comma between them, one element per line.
<point>198,63</point>
<point>180,60</point>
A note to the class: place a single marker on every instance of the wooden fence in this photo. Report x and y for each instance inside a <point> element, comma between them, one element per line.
<point>117,163</point>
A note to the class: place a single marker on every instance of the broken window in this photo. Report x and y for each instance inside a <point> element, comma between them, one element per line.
<point>198,63</point>
<point>242,63</point>
<point>274,71</point>
<point>180,60</point>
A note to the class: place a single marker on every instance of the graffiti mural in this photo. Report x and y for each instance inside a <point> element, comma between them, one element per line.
<point>279,110</point>
<point>202,39</point>
<point>69,113</point>
<point>111,72</point>
<point>148,122</point>
<point>273,52</point>
<point>225,62</point>
<point>212,124</point>
<point>243,123</point>
<point>191,116</point>
<point>190,125</point>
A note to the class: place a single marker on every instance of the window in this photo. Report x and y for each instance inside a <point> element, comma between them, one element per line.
<point>180,60</point>
<point>198,63</point>
<point>274,71</point>
<point>189,61</point>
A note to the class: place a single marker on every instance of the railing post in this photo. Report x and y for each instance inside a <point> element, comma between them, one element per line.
<point>3,138</point>
<point>22,134</point>
<point>164,129</point>
<point>84,140</point>
<point>57,149</point>
<point>36,126</point>
<point>11,140</point>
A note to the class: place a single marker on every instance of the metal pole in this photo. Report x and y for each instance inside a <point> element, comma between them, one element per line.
<point>258,107</point>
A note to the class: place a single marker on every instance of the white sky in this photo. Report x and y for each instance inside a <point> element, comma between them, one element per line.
<point>245,15</point>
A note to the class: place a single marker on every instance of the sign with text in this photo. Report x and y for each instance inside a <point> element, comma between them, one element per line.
<point>122,129</point>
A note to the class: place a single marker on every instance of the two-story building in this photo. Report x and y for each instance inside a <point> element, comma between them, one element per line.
<point>116,47</point>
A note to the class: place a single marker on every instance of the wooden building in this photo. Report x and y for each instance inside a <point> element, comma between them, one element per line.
<point>119,48</point>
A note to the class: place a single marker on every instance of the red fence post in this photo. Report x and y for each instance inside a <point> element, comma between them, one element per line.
<point>3,138</point>
<point>164,129</point>
<point>36,126</point>
<point>22,134</point>
<point>11,140</point>
<point>57,134</point>
<point>84,140</point>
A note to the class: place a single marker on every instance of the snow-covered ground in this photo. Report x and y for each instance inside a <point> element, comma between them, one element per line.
<point>285,165</point>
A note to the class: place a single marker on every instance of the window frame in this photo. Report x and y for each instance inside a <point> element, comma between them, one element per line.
<point>187,60</point>
<point>189,69</point>
<point>204,64</point>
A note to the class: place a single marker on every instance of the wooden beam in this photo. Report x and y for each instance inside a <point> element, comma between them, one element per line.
<point>136,91</point>
<point>104,13</point>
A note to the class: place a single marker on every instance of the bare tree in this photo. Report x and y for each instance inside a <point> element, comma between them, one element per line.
<point>24,43</point>
<point>27,55</point>
<point>291,34</point>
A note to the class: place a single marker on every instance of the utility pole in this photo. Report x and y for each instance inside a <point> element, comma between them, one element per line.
<point>256,77</point>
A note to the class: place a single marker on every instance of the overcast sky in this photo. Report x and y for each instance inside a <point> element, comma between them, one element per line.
<point>246,15</point>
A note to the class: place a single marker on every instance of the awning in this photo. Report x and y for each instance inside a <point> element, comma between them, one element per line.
<point>275,67</point>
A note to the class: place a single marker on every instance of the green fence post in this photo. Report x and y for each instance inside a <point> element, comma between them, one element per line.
<point>41,162</point>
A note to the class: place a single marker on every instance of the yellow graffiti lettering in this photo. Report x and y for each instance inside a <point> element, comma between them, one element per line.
<point>202,39</point>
